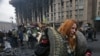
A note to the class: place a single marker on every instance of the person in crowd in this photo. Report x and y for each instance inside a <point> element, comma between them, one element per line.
<point>20,34</point>
<point>94,34</point>
<point>29,32</point>
<point>15,38</point>
<point>90,34</point>
<point>1,38</point>
<point>69,29</point>
<point>10,38</point>
<point>7,44</point>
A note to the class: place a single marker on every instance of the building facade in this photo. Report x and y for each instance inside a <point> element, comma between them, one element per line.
<point>81,10</point>
<point>54,11</point>
<point>6,26</point>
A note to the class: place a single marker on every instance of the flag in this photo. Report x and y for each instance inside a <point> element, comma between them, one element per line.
<point>45,19</point>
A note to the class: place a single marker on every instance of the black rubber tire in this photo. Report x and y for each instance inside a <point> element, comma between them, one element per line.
<point>57,44</point>
<point>81,46</point>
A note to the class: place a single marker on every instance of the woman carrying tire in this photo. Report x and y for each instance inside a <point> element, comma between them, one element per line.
<point>76,41</point>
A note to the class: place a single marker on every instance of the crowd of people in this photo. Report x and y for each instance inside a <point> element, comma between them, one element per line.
<point>23,36</point>
<point>30,36</point>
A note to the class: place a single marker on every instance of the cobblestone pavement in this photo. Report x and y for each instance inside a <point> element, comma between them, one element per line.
<point>24,52</point>
<point>95,46</point>
<point>20,51</point>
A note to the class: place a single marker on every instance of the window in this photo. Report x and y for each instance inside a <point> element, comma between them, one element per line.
<point>81,0</point>
<point>62,13</point>
<point>70,12</point>
<point>58,13</point>
<point>99,3</point>
<point>62,17</point>
<point>59,17</point>
<point>54,17</point>
<point>98,13</point>
<point>76,16</point>
<point>71,1</point>
<point>81,15</point>
<point>54,7</point>
<point>67,16</point>
<point>53,0</point>
<point>76,2</point>
<point>70,16</point>
<point>58,4</point>
<point>76,12</point>
<point>81,11</point>
<point>51,8</point>
<point>70,5</point>
<point>59,8</point>
<point>67,12</point>
<point>80,7</point>
<point>47,15</point>
<point>54,14</point>
<point>99,8</point>
<point>51,18</point>
<point>67,4</point>
<point>62,3</point>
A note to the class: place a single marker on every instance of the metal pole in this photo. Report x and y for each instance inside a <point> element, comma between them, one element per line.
<point>78,10</point>
<point>11,21</point>
<point>53,13</point>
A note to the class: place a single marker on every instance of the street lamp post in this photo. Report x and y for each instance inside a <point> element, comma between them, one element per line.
<point>12,21</point>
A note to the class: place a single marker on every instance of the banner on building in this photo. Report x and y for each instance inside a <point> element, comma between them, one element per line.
<point>45,19</point>
<point>97,18</point>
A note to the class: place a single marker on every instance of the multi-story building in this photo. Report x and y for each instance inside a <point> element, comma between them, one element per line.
<point>54,11</point>
<point>97,19</point>
<point>6,26</point>
<point>81,10</point>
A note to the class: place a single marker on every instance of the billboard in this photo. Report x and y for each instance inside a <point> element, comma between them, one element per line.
<point>97,18</point>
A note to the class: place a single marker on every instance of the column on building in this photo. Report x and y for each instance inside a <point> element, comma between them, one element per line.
<point>73,9</point>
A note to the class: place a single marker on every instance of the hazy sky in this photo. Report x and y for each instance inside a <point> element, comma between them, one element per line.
<point>6,11</point>
<point>0,1</point>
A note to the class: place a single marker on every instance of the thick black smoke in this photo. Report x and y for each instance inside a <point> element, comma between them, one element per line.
<point>25,7</point>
